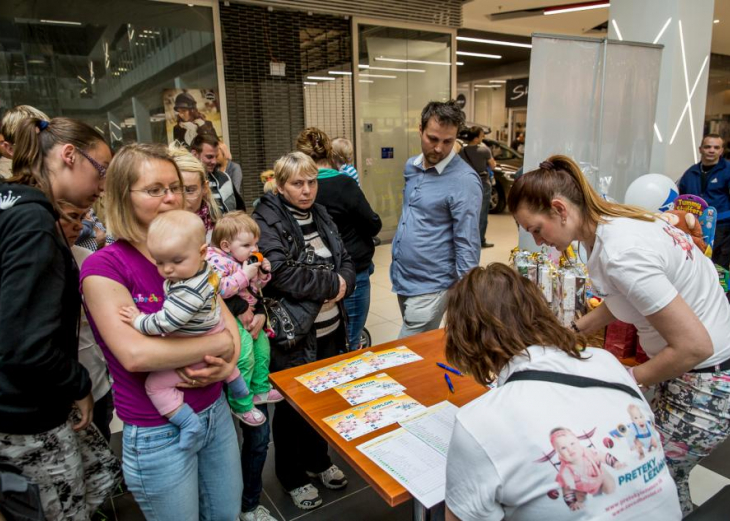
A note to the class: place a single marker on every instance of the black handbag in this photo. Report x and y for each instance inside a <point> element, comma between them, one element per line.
<point>570,379</point>
<point>19,498</point>
<point>292,320</point>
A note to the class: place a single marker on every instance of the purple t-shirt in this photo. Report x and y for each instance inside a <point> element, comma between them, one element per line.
<point>122,263</point>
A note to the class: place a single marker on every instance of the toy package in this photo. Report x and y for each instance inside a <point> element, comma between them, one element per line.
<point>621,339</point>
<point>706,214</point>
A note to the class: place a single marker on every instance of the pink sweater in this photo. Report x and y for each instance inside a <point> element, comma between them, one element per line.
<point>233,279</point>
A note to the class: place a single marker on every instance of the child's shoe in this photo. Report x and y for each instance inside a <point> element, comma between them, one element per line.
<point>190,427</point>
<point>306,497</point>
<point>252,418</point>
<point>237,388</point>
<point>273,396</point>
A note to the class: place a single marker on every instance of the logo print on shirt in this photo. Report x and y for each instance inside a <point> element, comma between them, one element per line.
<point>680,239</point>
<point>141,298</point>
<point>714,181</point>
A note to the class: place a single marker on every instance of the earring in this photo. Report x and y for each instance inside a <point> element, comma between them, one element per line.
<point>564,221</point>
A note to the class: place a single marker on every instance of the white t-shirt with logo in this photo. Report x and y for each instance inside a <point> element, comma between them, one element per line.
<point>527,450</point>
<point>639,267</point>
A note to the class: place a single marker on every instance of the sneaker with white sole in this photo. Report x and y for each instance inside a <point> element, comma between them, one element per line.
<point>306,497</point>
<point>257,514</point>
<point>332,478</point>
<point>252,418</point>
<point>272,396</point>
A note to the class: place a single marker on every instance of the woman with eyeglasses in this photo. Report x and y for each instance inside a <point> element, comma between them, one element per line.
<point>166,481</point>
<point>45,393</point>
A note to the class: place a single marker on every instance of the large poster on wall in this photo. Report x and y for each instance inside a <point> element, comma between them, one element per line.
<point>517,92</point>
<point>190,113</point>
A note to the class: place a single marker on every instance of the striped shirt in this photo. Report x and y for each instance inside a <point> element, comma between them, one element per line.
<point>189,309</point>
<point>350,171</point>
<point>328,319</point>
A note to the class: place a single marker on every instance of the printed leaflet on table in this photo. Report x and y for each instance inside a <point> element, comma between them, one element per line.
<point>369,388</point>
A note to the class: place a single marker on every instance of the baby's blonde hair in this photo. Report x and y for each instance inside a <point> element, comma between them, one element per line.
<point>14,116</point>
<point>231,225</point>
<point>179,224</point>
<point>266,175</point>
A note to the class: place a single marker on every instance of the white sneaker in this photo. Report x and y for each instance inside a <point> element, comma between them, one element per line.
<point>332,478</point>
<point>252,418</point>
<point>306,497</point>
<point>257,514</point>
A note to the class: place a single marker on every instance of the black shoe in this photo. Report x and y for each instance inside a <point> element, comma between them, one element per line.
<point>487,245</point>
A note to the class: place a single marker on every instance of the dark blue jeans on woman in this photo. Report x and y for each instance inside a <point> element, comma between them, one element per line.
<point>358,306</point>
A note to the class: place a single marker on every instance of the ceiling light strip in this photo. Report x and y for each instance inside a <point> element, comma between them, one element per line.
<point>493,42</point>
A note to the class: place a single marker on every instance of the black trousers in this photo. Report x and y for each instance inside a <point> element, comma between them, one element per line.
<point>298,447</point>
<point>103,415</point>
<point>721,247</point>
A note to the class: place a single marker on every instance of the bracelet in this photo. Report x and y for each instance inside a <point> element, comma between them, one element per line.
<point>574,326</point>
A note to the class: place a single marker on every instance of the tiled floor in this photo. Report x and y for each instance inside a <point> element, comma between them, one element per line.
<point>358,502</point>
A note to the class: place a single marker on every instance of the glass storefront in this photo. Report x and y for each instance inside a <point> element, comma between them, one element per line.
<point>115,65</point>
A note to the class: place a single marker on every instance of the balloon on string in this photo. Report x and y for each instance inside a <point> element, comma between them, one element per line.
<point>654,192</point>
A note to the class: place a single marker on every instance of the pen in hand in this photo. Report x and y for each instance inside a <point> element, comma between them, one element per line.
<point>449,369</point>
<point>448,382</point>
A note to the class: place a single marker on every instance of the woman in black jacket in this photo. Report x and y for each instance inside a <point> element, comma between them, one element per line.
<point>311,271</point>
<point>45,393</point>
<point>355,220</point>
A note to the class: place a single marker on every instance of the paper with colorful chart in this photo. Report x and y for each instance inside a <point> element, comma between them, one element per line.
<point>369,388</point>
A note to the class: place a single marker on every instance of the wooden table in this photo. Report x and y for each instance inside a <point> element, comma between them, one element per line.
<point>423,380</point>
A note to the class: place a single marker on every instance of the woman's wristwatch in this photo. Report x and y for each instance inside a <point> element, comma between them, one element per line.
<point>574,326</point>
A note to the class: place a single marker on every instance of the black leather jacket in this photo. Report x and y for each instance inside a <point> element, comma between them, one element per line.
<point>282,241</point>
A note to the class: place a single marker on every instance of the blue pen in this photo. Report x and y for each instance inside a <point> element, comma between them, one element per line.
<point>448,382</point>
<point>449,369</point>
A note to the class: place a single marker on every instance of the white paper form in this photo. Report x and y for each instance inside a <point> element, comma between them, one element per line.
<point>416,457</point>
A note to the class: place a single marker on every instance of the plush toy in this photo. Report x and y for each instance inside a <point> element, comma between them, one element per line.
<point>688,223</point>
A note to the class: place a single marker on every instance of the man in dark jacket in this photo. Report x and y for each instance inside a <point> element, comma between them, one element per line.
<point>225,194</point>
<point>710,179</point>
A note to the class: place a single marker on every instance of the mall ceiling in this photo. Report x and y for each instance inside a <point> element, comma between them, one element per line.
<point>520,18</point>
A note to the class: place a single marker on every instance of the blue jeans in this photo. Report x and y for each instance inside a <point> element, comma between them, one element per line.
<point>253,457</point>
<point>484,210</point>
<point>358,306</point>
<point>169,483</point>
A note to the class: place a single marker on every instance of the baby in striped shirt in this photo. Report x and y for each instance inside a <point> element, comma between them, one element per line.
<point>176,240</point>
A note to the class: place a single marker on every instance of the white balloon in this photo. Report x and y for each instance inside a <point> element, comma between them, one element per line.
<point>654,192</point>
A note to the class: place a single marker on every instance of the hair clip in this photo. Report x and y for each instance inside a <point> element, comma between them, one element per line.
<point>547,165</point>
<point>42,125</point>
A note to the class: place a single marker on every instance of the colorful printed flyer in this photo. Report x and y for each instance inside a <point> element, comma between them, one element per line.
<point>362,419</point>
<point>338,373</point>
<point>370,388</point>
<point>393,357</point>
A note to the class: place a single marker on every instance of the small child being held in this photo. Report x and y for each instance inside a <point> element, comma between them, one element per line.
<point>176,240</point>
<point>243,272</point>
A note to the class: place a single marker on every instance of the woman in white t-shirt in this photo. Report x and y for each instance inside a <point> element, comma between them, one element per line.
<point>565,434</point>
<point>650,274</point>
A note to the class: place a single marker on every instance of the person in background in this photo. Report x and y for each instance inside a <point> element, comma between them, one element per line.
<point>167,483</point>
<point>230,167</point>
<point>500,329</point>
<point>46,403</point>
<point>518,143</point>
<point>198,197</point>
<point>8,128</point>
<point>355,219</point>
<point>225,194</point>
<point>90,355</point>
<point>651,275</point>
<point>343,158</point>
<point>437,240</point>
<point>710,179</point>
<point>478,155</point>
<point>292,224</point>
<point>190,122</point>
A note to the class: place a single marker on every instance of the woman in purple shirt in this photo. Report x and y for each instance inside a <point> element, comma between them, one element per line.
<point>166,481</point>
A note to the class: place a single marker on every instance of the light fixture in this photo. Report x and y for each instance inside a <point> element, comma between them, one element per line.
<point>310,83</point>
<point>618,31</point>
<point>392,69</point>
<point>340,73</point>
<point>402,60</point>
<point>321,78</point>
<point>36,62</point>
<point>60,22</point>
<point>497,81</point>
<point>577,7</point>
<point>493,42</point>
<point>387,77</point>
<point>716,21</point>
<point>664,28</point>
<point>367,81</point>
<point>479,55</point>
<point>459,63</point>
<point>489,86</point>
<point>79,77</point>
<point>658,135</point>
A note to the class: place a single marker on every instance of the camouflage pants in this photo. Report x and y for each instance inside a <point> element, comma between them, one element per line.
<point>75,471</point>
<point>693,417</point>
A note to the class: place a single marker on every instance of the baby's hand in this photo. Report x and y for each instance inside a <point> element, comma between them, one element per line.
<point>578,505</point>
<point>265,266</point>
<point>251,270</point>
<point>246,317</point>
<point>129,313</point>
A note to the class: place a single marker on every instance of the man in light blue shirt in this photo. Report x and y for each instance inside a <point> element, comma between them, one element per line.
<point>437,240</point>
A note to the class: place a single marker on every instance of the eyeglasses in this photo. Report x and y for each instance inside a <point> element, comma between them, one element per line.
<point>98,166</point>
<point>159,191</point>
<point>191,189</point>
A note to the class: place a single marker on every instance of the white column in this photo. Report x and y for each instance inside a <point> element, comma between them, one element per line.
<point>684,27</point>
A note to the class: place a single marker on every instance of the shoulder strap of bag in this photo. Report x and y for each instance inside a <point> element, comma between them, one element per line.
<point>569,379</point>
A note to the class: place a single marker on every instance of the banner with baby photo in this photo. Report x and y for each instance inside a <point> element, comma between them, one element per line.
<point>190,113</point>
